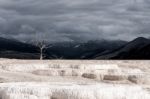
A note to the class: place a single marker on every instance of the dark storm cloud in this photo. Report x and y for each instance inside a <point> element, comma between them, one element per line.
<point>81,20</point>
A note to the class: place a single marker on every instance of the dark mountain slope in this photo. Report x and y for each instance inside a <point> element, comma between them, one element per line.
<point>15,49</point>
<point>136,49</point>
<point>103,49</point>
<point>86,50</point>
<point>14,45</point>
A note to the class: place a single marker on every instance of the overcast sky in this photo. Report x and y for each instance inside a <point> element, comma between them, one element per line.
<point>75,20</point>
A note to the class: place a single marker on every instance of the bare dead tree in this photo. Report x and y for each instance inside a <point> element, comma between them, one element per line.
<point>42,46</point>
<point>41,43</point>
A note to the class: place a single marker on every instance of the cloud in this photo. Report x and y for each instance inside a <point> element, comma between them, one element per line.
<point>78,20</point>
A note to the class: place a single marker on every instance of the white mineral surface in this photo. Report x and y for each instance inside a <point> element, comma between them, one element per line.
<point>68,79</point>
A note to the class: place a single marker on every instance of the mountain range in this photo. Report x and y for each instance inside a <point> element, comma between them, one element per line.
<point>139,48</point>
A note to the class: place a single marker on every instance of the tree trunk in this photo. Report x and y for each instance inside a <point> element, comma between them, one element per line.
<point>41,54</point>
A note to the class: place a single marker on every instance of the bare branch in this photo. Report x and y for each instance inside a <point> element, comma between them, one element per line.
<point>42,45</point>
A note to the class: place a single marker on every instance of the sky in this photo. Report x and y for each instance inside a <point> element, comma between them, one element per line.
<point>74,20</point>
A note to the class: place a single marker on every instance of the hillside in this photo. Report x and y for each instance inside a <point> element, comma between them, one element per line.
<point>139,48</point>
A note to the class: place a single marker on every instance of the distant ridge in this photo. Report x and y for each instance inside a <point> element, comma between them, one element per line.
<point>10,48</point>
<point>136,49</point>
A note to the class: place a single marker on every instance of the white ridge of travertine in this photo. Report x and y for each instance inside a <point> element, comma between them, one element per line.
<point>132,71</point>
<point>24,67</point>
<point>33,66</point>
<point>71,91</point>
<point>53,69</point>
<point>99,66</point>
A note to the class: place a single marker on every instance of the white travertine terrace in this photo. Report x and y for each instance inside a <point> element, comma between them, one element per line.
<point>70,91</point>
<point>33,66</point>
<point>27,79</point>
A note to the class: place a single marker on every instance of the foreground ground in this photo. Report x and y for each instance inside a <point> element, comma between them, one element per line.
<point>64,79</point>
